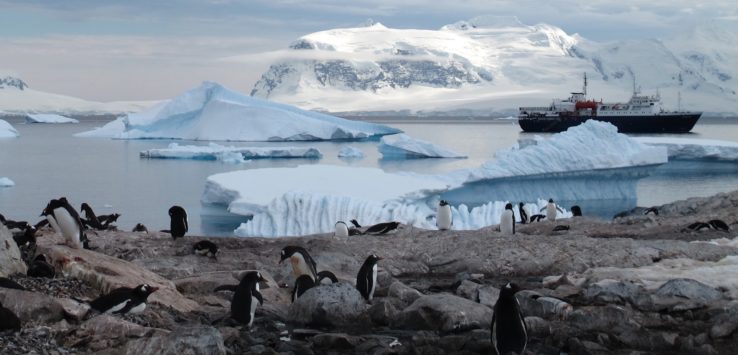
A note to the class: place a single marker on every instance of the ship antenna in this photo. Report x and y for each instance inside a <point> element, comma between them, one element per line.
<point>679,93</point>
<point>585,85</point>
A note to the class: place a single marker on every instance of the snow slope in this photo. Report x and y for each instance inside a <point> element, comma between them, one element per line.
<point>492,65</point>
<point>212,112</point>
<point>402,146</point>
<point>218,152</point>
<point>48,118</point>
<point>7,131</point>
<point>695,149</point>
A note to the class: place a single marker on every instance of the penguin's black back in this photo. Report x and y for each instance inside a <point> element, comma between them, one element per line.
<point>41,268</point>
<point>8,320</point>
<point>576,211</point>
<point>302,284</point>
<point>242,298</point>
<point>178,221</point>
<point>509,332</point>
<point>382,228</point>
<point>206,245</point>
<point>523,214</point>
<point>364,279</point>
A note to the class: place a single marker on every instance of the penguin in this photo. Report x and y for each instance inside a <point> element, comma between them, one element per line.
<point>65,220</point>
<point>11,224</point>
<point>107,219</point>
<point>696,226</point>
<point>444,217</point>
<point>178,222</point>
<point>90,219</point>
<point>8,283</point>
<point>551,209</point>
<point>382,228</point>
<point>247,298</point>
<point>342,230</point>
<point>652,210</point>
<point>576,211</point>
<point>536,218</point>
<point>302,262</point>
<point>325,274</point>
<point>206,248</point>
<point>41,268</point>
<point>560,227</point>
<point>28,237</point>
<point>140,228</point>
<point>507,220</point>
<point>523,213</point>
<point>124,300</point>
<point>8,320</point>
<point>355,223</point>
<point>719,225</point>
<point>366,279</point>
<point>302,284</point>
<point>509,332</point>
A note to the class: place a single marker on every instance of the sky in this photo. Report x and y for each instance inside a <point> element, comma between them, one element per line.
<point>106,50</point>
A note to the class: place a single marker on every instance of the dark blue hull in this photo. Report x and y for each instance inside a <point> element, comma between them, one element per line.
<point>672,123</point>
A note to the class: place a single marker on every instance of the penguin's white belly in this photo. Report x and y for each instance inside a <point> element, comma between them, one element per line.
<point>53,224</point>
<point>117,307</point>
<point>444,218</point>
<point>138,309</point>
<point>69,227</point>
<point>300,266</point>
<point>252,311</point>
<point>342,231</point>
<point>551,212</point>
<point>506,222</point>
<point>374,282</point>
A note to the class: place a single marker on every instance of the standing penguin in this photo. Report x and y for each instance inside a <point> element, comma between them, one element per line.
<point>302,262</point>
<point>124,300</point>
<point>551,209</point>
<point>65,220</point>
<point>507,220</point>
<point>8,320</point>
<point>523,213</point>
<point>366,280</point>
<point>576,211</point>
<point>247,298</point>
<point>178,222</point>
<point>342,230</point>
<point>444,217</point>
<point>509,332</point>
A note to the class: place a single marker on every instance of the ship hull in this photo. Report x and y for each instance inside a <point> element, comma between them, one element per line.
<point>673,123</point>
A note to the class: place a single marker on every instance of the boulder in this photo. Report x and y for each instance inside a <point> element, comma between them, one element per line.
<point>406,295</point>
<point>382,312</point>
<point>445,312</point>
<point>468,290</point>
<point>106,331</point>
<point>607,319</point>
<point>613,291</point>
<point>10,256</point>
<point>336,341</point>
<point>683,294</point>
<point>32,307</point>
<point>488,295</point>
<point>108,273</point>
<point>533,303</point>
<point>187,340</point>
<point>331,305</point>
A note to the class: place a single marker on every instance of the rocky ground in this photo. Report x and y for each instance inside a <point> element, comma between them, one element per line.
<point>636,284</point>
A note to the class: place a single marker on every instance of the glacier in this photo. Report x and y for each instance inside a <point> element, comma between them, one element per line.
<point>350,153</point>
<point>695,149</point>
<point>402,146</point>
<point>309,199</point>
<point>6,182</point>
<point>215,151</point>
<point>48,118</point>
<point>212,112</point>
<point>7,130</point>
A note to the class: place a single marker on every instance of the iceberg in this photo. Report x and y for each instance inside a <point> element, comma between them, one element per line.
<point>350,153</point>
<point>6,182</point>
<point>215,151</point>
<point>7,131</point>
<point>212,112</point>
<point>112,129</point>
<point>402,146</point>
<point>48,118</point>
<point>695,149</point>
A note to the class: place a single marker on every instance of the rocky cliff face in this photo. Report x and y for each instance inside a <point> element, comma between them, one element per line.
<point>10,82</point>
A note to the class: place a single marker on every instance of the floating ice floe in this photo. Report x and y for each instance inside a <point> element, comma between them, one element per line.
<point>111,129</point>
<point>310,199</point>
<point>402,146</point>
<point>212,112</point>
<point>7,131</point>
<point>350,153</point>
<point>6,182</point>
<point>214,151</point>
<point>48,118</point>
<point>695,149</point>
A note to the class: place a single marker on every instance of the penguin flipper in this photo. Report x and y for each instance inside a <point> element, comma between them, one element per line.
<point>225,288</point>
<point>560,210</point>
<point>325,274</point>
<point>258,296</point>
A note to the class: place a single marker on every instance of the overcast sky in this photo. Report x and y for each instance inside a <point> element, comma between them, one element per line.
<point>143,49</point>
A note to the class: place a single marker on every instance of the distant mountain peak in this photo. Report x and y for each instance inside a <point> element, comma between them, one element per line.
<point>12,82</point>
<point>487,21</point>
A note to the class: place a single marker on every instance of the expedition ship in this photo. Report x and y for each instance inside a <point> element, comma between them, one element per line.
<point>641,114</point>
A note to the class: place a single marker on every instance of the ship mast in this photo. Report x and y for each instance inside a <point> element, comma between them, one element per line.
<point>679,93</point>
<point>584,90</point>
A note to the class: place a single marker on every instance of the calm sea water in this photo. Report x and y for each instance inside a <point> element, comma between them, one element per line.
<point>46,162</point>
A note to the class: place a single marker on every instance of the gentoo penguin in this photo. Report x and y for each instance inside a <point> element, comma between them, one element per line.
<point>90,219</point>
<point>507,220</point>
<point>107,219</point>
<point>140,228</point>
<point>246,298</point>
<point>551,209</point>
<point>41,268</point>
<point>561,227</point>
<point>652,210</point>
<point>355,223</point>
<point>325,274</point>
<point>696,226</point>
<point>302,284</point>
<point>523,213</point>
<point>302,262</point>
<point>576,211</point>
<point>444,217</point>
<point>366,279</point>
<point>65,220</point>
<point>11,224</point>
<point>8,320</point>
<point>28,236</point>
<point>509,334</point>
<point>342,230</point>
<point>536,218</point>
<point>718,225</point>
<point>206,248</point>
<point>123,300</point>
<point>178,222</point>
<point>8,283</point>
<point>382,228</point>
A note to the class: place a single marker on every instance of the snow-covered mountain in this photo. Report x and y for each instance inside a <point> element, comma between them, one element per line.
<point>495,64</point>
<point>17,98</point>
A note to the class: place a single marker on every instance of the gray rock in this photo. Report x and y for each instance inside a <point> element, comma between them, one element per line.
<point>608,319</point>
<point>613,291</point>
<point>335,341</point>
<point>683,294</point>
<point>382,312</point>
<point>329,305</point>
<point>32,307</point>
<point>488,295</point>
<point>724,325</point>
<point>105,331</point>
<point>190,340</point>
<point>468,290</point>
<point>10,255</point>
<point>405,294</point>
<point>446,313</point>
<point>538,327</point>
<point>648,340</point>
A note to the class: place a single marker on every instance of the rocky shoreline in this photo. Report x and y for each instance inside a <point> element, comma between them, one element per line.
<point>636,284</point>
